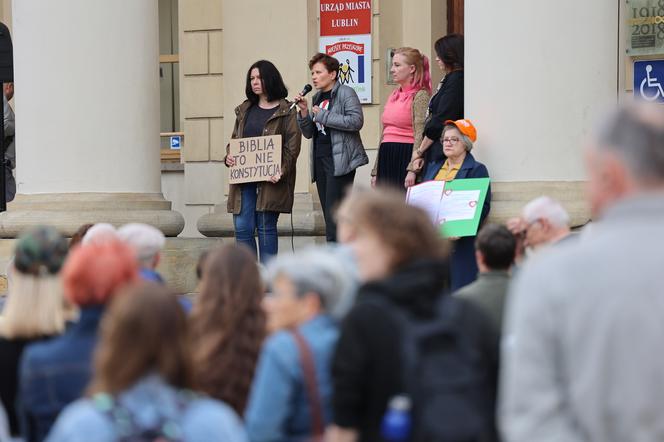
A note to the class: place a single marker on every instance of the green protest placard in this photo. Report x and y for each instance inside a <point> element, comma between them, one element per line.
<point>461,206</point>
<point>256,159</point>
<point>456,206</point>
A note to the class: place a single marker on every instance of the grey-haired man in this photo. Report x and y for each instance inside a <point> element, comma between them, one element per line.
<point>585,321</point>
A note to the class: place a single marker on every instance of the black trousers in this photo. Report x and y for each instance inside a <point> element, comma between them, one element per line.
<point>331,190</point>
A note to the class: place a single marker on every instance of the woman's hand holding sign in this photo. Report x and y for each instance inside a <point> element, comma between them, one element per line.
<point>274,179</point>
<point>230,161</point>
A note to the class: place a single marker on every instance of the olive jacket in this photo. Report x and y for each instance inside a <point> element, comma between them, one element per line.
<point>272,197</point>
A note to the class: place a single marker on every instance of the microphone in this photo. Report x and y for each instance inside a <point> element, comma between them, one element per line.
<point>305,91</point>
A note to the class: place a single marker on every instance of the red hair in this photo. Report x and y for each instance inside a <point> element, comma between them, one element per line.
<point>94,272</point>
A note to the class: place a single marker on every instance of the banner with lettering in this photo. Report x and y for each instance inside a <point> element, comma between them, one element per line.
<point>256,159</point>
<point>345,34</point>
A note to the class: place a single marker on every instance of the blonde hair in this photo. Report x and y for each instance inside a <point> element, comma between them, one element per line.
<point>34,307</point>
<point>413,57</point>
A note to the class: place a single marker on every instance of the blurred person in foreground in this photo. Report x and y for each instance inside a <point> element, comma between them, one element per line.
<point>402,263</point>
<point>100,233</point>
<point>291,397</point>
<point>77,237</point>
<point>584,321</point>
<point>543,222</point>
<point>228,325</point>
<point>495,248</point>
<point>147,242</point>
<point>143,380</point>
<point>55,372</point>
<point>35,307</point>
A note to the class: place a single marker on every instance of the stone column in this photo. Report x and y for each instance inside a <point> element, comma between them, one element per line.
<point>87,115</point>
<point>537,77</point>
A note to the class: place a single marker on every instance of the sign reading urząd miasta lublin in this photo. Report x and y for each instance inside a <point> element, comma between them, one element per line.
<point>644,27</point>
<point>256,159</point>
<point>345,34</point>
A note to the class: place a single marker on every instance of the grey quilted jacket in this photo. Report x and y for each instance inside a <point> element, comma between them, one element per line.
<point>344,120</point>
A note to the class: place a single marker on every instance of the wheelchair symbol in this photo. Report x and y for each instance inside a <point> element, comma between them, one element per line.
<point>648,84</point>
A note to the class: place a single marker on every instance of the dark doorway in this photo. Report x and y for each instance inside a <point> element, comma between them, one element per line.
<point>455,16</point>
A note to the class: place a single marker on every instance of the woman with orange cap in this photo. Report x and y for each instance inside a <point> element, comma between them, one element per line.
<point>457,140</point>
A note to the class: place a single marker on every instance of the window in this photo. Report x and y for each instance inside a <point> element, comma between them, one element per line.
<point>169,83</point>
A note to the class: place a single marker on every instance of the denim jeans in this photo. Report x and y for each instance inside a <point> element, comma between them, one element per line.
<point>249,221</point>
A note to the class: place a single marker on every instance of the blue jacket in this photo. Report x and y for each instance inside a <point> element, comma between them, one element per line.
<point>463,267</point>
<point>55,373</point>
<point>278,408</point>
<point>151,401</point>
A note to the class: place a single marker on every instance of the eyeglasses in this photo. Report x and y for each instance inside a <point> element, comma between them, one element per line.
<point>450,140</point>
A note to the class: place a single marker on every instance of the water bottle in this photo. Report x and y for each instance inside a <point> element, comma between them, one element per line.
<point>397,421</point>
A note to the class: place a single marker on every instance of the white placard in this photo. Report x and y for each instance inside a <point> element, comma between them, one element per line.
<point>458,205</point>
<point>426,196</point>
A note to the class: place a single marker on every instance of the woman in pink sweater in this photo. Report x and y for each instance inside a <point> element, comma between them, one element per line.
<point>403,117</point>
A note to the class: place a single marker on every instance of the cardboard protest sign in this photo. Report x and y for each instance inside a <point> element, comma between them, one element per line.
<point>256,159</point>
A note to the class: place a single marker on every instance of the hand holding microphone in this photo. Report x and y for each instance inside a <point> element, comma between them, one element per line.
<point>299,99</point>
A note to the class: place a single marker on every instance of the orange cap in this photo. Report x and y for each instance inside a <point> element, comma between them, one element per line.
<point>465,127</point>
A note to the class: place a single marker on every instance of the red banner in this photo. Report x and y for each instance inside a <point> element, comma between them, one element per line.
<point>340,17</point>
<point>344,46</point>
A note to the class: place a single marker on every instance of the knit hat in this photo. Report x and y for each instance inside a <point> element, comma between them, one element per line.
<point>40,251</point>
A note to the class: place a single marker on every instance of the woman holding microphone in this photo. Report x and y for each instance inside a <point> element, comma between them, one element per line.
<point>334,123</point>
<point>256,206</point>
<point>403,117</point>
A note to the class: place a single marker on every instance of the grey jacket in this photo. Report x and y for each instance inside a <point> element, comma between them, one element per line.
<point>344,120</point>
<point>583,334</point>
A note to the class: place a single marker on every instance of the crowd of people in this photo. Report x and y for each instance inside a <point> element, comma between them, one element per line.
<point>391,332</point>
<point>411,148</point>
<point>364,340</point>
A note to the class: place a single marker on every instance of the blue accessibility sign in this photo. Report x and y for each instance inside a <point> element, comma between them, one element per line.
<point>176,142</point>
<point>649,80</point>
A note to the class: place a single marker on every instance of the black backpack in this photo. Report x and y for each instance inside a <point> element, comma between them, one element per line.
<point>446,373</point>
<point>128,430</point>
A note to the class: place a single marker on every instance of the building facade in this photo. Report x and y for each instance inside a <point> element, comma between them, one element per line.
<point>537,76</point>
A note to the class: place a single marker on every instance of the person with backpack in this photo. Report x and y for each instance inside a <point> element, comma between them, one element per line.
<point>407,347</point>
<point>141,390</point>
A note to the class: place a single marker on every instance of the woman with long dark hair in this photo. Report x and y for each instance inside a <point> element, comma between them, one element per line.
<point>143,379</point>
<point>228,326</point>
<point>446,104</point>
<point>256,206</point>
